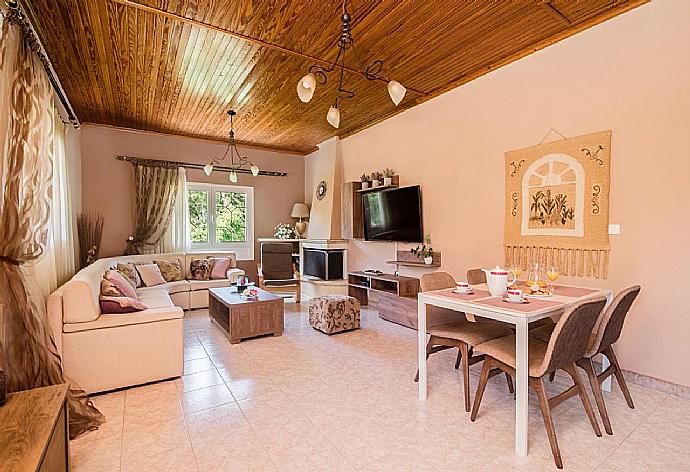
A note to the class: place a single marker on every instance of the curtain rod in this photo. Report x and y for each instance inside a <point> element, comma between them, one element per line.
<point>17,16</point>
<point>188,165</point>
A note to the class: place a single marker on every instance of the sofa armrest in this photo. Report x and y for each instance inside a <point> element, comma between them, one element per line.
<point>54,312</point>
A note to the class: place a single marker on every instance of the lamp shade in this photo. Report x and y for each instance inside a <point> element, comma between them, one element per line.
<point>208,168</point>
<point>306,87</point>
<point>255,170</point>
<point>333,117</point>
<point>233,176</point>
<point>300,210</point>
<point>396,91</point>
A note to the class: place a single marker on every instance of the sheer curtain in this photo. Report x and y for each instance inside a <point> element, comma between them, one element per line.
<point>58,263</point>
<point>175,238</point>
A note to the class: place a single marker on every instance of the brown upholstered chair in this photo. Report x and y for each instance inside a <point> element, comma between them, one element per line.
<point>567,345</point>
<point>476,277</point>
<point>461,334</point>
<point>276,271</point>
<point>606,332</point>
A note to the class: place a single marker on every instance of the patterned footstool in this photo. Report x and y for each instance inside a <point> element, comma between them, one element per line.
<point>334,313</point>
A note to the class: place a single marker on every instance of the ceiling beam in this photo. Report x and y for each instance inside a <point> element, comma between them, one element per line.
<point>266,44</point>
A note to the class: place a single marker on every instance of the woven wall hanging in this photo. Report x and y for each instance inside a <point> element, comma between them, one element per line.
<point>557,205</point>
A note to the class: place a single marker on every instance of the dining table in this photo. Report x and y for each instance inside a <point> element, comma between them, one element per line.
<point>481,303</point>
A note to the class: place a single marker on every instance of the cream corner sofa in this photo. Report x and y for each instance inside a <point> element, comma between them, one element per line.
<point>103,352</point>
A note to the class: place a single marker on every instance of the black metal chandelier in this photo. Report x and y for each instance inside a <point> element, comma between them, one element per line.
<point>317,74</point>
<point>235,165</point>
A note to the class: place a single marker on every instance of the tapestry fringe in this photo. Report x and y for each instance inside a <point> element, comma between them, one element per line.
<point>575,262</point>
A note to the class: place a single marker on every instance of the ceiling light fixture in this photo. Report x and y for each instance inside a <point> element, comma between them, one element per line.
<point>235,163</point>
<point>317,74</point>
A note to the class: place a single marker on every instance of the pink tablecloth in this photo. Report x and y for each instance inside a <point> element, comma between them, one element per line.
<point>533,305</point>
<point>575,292</point>
<point>464,297</point>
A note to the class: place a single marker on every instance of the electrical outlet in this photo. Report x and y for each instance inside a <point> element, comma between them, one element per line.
<point>614,229</point>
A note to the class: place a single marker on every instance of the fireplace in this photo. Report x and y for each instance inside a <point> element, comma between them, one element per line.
<point>324,264</point>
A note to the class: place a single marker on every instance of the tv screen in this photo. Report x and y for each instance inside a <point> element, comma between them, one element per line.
<point>393,215</point>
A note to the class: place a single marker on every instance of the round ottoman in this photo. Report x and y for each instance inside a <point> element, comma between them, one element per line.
<point>334,313</point>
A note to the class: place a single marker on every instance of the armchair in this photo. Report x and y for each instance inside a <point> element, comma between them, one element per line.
<point>276,271</point>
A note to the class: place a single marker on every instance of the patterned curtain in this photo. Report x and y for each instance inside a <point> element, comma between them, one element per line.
<point>26,155</point>
<point>155,192</point>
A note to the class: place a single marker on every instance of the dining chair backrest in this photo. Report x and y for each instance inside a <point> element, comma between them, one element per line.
<point>476,277</point>
<point>610,323</point>
<point>276,261</point>
<point>436,281</point>
<point>571,334</point>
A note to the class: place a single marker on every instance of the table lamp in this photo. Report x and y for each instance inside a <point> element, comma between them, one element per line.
<point>300,210</point>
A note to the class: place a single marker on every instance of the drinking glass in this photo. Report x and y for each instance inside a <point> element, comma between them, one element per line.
<point>552,274</point>
<point>517,270</point>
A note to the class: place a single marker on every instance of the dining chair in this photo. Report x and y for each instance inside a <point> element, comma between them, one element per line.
<point>461,334</point>
<point>606,332</point>
<point>567,345</point>
<point>476,277</point>
<point>276,271</point>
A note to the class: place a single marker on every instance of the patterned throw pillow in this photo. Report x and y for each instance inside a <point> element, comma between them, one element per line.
<point>121,283</point>
<point>170,270</point>
<point>109,289</point>
<point>120,305</point>
<point>150,274</point>
<point>220,267</point>
<point>130,271</point>
<point>200,269</point>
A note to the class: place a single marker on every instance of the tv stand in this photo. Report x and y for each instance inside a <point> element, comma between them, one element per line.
<point>397,298</point>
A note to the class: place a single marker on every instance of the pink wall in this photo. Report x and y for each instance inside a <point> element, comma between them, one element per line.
<point>107,184</point>
<point>630,75</point>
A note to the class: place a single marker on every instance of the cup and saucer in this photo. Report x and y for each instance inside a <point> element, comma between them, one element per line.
<point>463,288</point>
<point>515,295</point>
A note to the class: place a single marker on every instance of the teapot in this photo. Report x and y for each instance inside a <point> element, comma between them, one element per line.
<point>497,280</point>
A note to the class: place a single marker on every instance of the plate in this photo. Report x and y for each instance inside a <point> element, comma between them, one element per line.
<point>456,291</point>
<point>548,295</point>
<point>524,300</point>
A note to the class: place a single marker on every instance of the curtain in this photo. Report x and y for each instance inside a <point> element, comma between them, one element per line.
<point>26,156</point>
<point>155,190</point>
<point>175,237</point>
<point>58,263</point>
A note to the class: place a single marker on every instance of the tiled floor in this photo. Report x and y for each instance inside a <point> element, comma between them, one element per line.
<point>310,402</point>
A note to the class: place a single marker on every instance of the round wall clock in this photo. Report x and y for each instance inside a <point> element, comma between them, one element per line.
<point>321,190</point>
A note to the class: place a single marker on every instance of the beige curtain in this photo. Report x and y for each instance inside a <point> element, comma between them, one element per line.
<point>175,237</point>
<point>155,190</point>
<point>26,156</point>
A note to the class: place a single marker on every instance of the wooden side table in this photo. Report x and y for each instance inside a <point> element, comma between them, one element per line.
<point>34,431</point>
<point>242,318</point>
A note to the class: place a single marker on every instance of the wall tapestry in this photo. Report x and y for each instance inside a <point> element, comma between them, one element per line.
<point>557,205</point>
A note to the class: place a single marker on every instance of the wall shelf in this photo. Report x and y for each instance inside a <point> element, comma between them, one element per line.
<point>415,264</point>
<point>374,189</point>
<point>406,258</point>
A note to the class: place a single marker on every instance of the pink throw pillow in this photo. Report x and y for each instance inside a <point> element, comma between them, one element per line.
<point>121,283</point>
<point>220,267</point>
<point>120,305</point>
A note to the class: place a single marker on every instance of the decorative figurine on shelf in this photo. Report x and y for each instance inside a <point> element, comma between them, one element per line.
<point>425,250</point>
<point>284,231</point>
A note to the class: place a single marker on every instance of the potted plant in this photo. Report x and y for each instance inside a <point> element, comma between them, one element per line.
<point>365,181</point>
<point>376,178</point>
<point>425,250</point>
<point>388,177</point>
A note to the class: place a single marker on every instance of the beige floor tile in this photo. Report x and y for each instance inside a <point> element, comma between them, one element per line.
<point>206,378</point>
<point>99,455</point>
<point>216,421</point>
<point>198,365</point>
<point>204,398</point>
<point>181,458</point>
<point>400,462</point>
<point>155,439</point>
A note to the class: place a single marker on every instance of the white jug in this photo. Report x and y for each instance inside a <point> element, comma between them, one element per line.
<point>497,280</point>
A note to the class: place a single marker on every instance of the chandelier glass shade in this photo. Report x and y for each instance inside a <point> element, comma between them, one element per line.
<point>318,74</point>
<point>237,160</point>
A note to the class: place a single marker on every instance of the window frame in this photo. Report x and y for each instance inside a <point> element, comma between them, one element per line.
<point>244,249</point>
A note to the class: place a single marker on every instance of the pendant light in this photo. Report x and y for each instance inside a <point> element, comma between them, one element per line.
<point>237,160</point>
<point>317,74</point>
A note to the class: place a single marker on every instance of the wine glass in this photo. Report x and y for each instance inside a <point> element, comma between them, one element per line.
<point>517,270</point>
<point>552,274</point>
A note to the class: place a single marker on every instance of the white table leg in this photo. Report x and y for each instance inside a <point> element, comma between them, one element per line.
<point>521,388</point>
<point>606,384</point>
<point>421,331</point>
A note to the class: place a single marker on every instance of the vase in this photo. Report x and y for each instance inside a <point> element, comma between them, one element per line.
<point>428,260</point>
<point>365,185</point>
<point>375,183</point>
<point>387,181</point>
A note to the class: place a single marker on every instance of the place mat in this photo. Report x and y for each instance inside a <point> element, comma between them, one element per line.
<point>464,297</point>
<point>533,305</point>
<point>575,292</point>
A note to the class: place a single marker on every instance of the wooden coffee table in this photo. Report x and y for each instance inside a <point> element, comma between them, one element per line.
<point>242,318</point>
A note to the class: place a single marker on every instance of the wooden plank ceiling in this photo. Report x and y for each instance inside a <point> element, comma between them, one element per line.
<point>168,66</point>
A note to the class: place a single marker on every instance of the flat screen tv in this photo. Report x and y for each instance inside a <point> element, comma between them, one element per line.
<point>393,215</point>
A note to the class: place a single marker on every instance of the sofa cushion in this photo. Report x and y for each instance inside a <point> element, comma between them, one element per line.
<point>108,289</point>
<point>120,282</point>
<point>220,267</point>
<point>129,270</point>
<point>79,305</point>
<point>120,305</point>
<point>170,287</point>
<point>200,269</point>
<point>206,284</point>
<point>111,321</point>
<point>150,274</point>
<point>156,299</point>
<point>170,270</point>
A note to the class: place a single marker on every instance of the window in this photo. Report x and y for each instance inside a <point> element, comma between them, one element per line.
<point>221,217</point>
